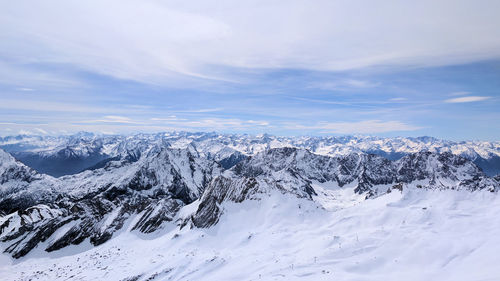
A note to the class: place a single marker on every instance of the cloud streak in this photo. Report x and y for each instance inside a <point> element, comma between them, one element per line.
<point>358,127</point>
<point>467,99</point>
<point>111,119</point>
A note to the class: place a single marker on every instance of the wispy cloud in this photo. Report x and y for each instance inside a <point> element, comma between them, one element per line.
<point>466,99</point>
<point>343,84</point>
<point>51,106</point>
<point>202,110</point>
<point>114,118</point>
<point>398,99</point>
<point>322,101</point>
<point>358,127</point>
<point>168,118</point>
<point>25,89</point>
<point>166,41</point>
<point>361,83</point>
<point>26,78</point>
<point>222,124</point>
<point>111,119</point>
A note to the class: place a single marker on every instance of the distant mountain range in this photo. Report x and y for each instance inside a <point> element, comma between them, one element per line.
<point>66,155</point>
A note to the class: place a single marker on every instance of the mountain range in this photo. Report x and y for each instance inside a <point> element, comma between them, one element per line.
<point>65,155</point>
<point>149,183</point>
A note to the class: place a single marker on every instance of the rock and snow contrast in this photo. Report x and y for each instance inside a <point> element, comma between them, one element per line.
<point>206,206</point>
<point>64,155</point>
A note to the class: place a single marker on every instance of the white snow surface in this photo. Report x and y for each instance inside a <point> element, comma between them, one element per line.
<point>416,234</point>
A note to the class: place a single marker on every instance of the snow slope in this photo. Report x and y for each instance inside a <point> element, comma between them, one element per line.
<point>411,235</point>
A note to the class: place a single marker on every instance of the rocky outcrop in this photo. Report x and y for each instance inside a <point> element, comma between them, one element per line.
<point>220,190</point>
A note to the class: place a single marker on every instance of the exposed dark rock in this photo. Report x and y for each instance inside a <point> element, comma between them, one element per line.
<point>156,214</point>
<point>229,162</point>
<point>222,189</point>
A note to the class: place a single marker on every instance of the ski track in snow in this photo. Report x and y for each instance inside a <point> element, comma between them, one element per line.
<point>410,235</point>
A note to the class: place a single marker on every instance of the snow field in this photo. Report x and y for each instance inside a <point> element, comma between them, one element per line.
<point>413,235</point>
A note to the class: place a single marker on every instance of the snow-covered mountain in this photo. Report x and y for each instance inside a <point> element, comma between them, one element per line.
<point>151,186</point>
<point>96,203</point>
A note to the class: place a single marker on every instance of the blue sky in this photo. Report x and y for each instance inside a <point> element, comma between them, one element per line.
<point>279,67</point>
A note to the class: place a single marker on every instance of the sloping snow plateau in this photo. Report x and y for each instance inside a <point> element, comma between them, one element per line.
<point>411,235</point>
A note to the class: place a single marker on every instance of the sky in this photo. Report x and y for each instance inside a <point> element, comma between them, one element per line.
<point>388,68</point>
